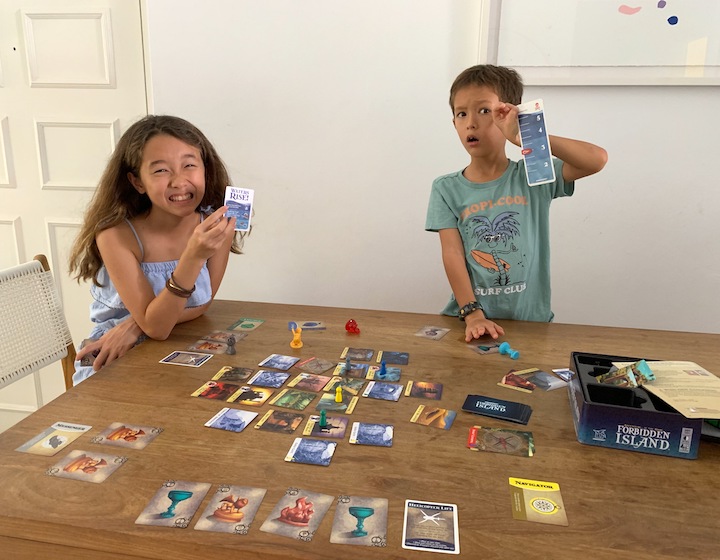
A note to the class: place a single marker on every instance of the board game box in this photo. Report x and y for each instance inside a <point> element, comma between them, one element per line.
<point>628,418</point>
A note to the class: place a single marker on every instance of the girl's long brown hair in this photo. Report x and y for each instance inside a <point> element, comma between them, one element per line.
<point>116,200</point>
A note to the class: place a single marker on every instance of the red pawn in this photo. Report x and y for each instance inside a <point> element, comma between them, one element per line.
<point>352,327</point>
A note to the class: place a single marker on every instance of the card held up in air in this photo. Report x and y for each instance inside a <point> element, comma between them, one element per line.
<point>240,206</point>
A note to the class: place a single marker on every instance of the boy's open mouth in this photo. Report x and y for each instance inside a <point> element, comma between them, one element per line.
<point>471,139</point>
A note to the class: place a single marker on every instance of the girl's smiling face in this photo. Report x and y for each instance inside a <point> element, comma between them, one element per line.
<point>172,174</point>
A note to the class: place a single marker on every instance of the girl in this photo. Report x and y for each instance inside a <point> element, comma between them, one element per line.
<point>150,244</point>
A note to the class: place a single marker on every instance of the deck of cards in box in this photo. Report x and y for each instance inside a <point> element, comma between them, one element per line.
<point>628,418</point>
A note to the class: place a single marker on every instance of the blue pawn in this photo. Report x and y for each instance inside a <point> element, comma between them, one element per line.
<point>382,373</point>
<point>504,348</point>
<point>346,371</point>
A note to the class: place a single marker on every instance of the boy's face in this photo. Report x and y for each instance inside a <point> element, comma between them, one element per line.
<point>473,120</point>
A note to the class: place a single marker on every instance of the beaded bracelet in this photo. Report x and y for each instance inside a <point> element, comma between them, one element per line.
<point>176,289</point>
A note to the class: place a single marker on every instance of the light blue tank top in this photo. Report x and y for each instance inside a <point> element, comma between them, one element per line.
<point>107,309</point>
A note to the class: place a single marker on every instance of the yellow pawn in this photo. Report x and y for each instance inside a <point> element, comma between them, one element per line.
<point>296,342</point>
<point>338,394</point>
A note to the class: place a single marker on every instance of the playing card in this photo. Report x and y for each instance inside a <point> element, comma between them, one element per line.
<point>53,439</point>
<point>127,435</point>
<point>246,324</point>
<point>253,396</point>
<point>327,402</point>
<point>231,419</point>
<point>311,325</point>
<point>88,359</point>
<point>546,381</point>
<point>280,421</point>
<point>267,378</point>
<point>498,408</point>
<point>279,361</point>
<point>293,398</point>
<point>208,346</point>
<point>218,390</point>
<point>349,384</point>
<point>335,427</point>
<point>231,374</point>
<point>383,391</point>
<point>231,509</point>
<point>309,382</point>
<point>390,357</point>
<point>357,370</point>
<point>190,359</point>
<point>485,347</point>
<point>174,504</point>
<point>239,204</point>
<point>297,514</point>
<point>361,521</point>
<point>501,440</point>
<point>86,466</point>
<point>392,373</point>
<point>224,336</point>
<point>363,433</point>
<point>315,365</point>
<point>433,333</point>
<point>537,501</point>
<point>364,354</point>
<point>311,451</point>
<point>424,390</point>
<point>431,527</point>
<point>518,380</point>
<point>434,416</point>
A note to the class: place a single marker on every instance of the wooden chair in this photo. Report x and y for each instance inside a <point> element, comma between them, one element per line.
<point>33,329</point>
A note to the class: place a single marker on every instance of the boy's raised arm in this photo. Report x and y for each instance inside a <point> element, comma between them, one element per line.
<point>580,158</point>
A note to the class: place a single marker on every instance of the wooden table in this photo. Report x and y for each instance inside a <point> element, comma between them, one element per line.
<point>619,504</point>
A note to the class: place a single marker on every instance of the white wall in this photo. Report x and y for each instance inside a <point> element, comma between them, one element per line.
<point>336,113</point>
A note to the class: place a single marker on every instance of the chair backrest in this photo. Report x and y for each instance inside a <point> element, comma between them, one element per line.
<point>33,329</point>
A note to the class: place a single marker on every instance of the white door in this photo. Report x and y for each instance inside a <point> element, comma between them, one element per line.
<point>72,79</point>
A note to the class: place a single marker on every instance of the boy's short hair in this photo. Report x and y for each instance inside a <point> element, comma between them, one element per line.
<point>506,82</point>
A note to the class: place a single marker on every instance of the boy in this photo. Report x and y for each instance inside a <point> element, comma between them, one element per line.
<point>494,228</point>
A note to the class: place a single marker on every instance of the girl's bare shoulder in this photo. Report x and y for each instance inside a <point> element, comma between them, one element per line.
<point>118,237</point>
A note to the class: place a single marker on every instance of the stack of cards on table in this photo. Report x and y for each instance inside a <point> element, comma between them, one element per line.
<point>497,408</point>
